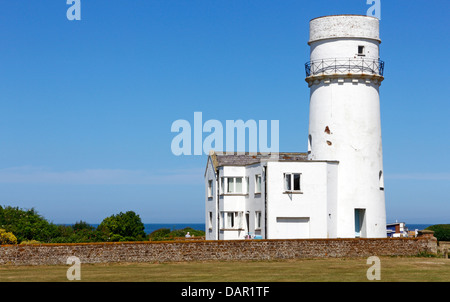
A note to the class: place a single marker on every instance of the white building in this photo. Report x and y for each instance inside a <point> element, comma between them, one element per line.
<point>335,190</point>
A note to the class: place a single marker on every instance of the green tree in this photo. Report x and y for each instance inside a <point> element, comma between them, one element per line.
<point>123,227</point>
<point>80,232</point>
<point>82,225</point>
<point>441,231</point>
<point>27,224</point>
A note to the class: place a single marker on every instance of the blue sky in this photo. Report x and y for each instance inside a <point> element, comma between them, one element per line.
<point>86,107</point>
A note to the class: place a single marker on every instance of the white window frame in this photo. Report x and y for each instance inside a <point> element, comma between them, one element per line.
<point>258,181</point>
<point>258,220</point>
<point>247,185</point>
<point>222,185</point>
<point>228,185</point>
<point>290,188</point>
<point>232,220</point>
<point>210,188</point>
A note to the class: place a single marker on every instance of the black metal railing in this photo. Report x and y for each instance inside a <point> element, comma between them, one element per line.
<point>344,66</point>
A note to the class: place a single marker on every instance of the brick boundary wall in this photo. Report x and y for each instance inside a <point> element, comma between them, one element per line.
<point>205,250</point>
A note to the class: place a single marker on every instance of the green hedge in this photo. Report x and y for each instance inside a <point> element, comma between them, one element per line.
<point>441,231</point>
<point>167,234</point>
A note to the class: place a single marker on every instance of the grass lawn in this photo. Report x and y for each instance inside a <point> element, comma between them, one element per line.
<point>393,269</point>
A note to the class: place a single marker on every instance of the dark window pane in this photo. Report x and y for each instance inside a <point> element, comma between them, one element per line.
<point>287,182</point>
<point>296,182</point>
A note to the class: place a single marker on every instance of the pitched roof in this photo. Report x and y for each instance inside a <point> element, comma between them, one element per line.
<point>224,159</point>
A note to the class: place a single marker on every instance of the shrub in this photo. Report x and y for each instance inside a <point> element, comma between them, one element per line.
<point>27,224</point>
<point>160,234</point>
<point>441,231</point>
<point>78,233</point>
<point>183,232</point>
<point>192,232</point>
<point>30,242</point>
<point>123,227</point>
<point>7,237</point>
<point>166,234</point>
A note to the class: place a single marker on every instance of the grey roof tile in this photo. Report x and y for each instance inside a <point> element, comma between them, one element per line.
<point>220,159</point>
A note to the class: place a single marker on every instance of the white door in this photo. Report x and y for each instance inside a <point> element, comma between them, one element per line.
<point>292,227</point>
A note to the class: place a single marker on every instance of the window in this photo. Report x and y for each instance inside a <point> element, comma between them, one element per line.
<point>222,185</point>
<point>381,179</point>
<point>292,182</point>
<point>210,220</point>
<point>296,180</point>
<point>309,144</point>
<point>257,183</point>
<point>231,220</point>
<point>287,182</point>
<point>230,185</point>
<point>210,188</point>
<point>238,181</point>
<point>361,50</point>
<point>246,185</point>
<point>234,185</point>
<point>258,220</point>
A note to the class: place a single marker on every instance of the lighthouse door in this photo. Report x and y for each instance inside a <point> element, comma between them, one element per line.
<point>359,220</point>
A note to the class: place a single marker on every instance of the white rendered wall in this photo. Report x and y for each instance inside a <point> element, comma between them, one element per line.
<point>332,192</point>
<point>345,122</point>
<point>211,231</point>
<point>231,203</point>
<point>313,203</point>
<point>344,48</point>
<point>248,203</point>
<point>316,203</point>
<point>344,26</point>
<point>255,202</point>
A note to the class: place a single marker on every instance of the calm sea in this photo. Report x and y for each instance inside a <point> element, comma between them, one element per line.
<point>419,227</point>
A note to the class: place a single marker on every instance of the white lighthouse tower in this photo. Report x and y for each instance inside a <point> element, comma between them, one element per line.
<point>344,75</point>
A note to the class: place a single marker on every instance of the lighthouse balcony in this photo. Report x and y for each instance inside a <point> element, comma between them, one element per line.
<point>344,66</point>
